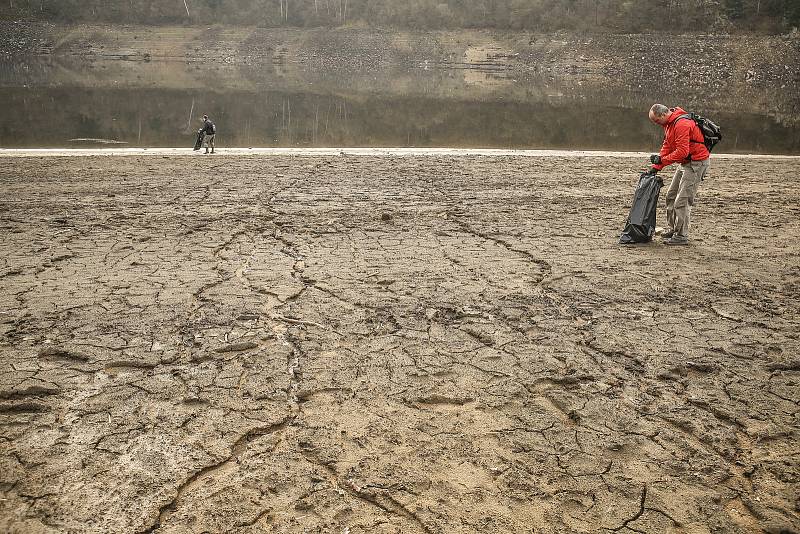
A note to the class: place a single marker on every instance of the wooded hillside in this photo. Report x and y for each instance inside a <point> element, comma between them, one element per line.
<point>768,16</point>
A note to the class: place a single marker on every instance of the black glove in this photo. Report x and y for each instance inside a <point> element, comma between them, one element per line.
<point>655,159</point>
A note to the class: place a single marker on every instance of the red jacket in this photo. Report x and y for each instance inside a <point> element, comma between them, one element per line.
<point>683,141</point>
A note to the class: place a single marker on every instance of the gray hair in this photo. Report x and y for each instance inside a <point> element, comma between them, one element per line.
<point>659,110</point>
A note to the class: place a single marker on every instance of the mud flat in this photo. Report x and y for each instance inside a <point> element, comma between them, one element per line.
<point>396,343</point>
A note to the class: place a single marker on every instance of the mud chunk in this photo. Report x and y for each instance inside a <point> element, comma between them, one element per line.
<point>30,391</point>
<point>169,358</point>
<point>437,399</point>
<point>23,407</point>
<point>237,347</point>
<point>703,367</point>
<point>121,365</point>
<point>303,505</point>
<point>56,353</point>
<point>674,372</point>
<point>483,337</point>
<point>784,366</point>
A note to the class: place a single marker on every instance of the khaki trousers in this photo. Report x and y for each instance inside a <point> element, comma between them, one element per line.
<point>208,141</point>
<point>680,196</point>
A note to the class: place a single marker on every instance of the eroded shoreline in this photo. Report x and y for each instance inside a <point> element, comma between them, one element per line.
<point>364,152</point>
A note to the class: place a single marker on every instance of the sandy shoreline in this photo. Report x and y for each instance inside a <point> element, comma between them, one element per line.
<point>395,342</point>
<point>332,151</point>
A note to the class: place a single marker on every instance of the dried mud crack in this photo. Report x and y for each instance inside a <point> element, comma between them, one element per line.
<point>239,448</point>
<point>405,343</point>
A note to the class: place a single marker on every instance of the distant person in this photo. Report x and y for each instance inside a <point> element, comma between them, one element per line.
<point>209,131</point>
<point>683,144</point>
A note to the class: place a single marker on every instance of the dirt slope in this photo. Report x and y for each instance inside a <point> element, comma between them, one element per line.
<point>393,344</point>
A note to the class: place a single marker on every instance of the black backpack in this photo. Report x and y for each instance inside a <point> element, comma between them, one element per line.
<point>712,134</point>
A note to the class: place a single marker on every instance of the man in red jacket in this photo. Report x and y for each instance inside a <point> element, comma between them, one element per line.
<point>683,144</point>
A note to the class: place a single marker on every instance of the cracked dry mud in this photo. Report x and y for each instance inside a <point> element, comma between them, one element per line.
<point>393,344</point>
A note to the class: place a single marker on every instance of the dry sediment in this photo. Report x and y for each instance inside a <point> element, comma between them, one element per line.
<point>393,344</point>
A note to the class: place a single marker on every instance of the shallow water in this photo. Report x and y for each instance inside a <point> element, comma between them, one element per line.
<point>52,104</point>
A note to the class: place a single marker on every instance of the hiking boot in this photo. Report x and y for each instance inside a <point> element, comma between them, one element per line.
<point>677,240</point>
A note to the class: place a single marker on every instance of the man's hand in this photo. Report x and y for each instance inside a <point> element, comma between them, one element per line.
<point>655,158</point>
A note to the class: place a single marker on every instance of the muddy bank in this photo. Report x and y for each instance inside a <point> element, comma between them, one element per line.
<point>393,344</point>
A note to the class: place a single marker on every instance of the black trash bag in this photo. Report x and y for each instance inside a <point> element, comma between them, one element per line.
<point>199,142</point>
<point>641,223</point>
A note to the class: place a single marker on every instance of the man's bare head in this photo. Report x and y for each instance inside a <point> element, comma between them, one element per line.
<point>659,114</point>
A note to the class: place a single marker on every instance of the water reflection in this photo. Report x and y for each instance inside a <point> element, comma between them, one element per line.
<point>48,105</point>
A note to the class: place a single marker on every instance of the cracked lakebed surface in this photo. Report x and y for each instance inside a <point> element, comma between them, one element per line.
<point>393,344</point>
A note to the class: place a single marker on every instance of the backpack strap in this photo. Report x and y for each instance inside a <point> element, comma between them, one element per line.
<point>689,116</point>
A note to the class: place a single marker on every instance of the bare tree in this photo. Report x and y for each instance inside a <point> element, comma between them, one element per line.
<point>284,9</point>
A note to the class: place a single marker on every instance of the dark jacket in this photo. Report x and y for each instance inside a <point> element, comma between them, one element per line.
<point>683,141</point>
<point>208,127</point>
